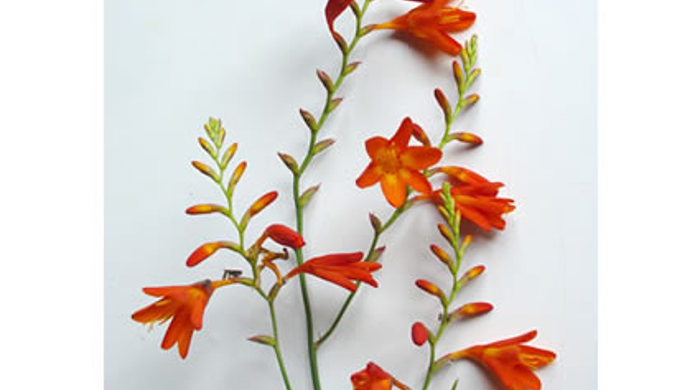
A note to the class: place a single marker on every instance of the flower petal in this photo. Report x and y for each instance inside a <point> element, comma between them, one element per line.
<point>394,190</point>
<point>376,144</point>
<point>333,9</point>
<point>420,157</point>
<point>416,180</point>
<point>403,134</point>
<point>370,176</point>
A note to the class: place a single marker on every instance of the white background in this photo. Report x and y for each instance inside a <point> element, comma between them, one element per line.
<point>169,65</point>
<point>52,275</point>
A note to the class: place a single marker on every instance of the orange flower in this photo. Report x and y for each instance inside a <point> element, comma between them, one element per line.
<point>333,9</point>
<point>512,362</point>
<point>185,305</point>
<point>397,165</point>
<point>374,378</point>
<point>340,268</point>
<point>432,21</point>
<point>476,198</point>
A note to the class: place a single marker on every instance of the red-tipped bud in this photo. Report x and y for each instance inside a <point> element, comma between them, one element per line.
<point>323,145</point>
<point>444,103</point>
<point>351,67</point>
<point>228,155</point>
<point>376,254</point>
<point>289,161</point>
<point>203,252</point>
<point>261,203</point>
<point>285,236</point>
<point>446,233</point>
<point>471,274</point>
<point>334,104</point>
<point>420,135</point>
<point>236,176</point>
<point>431,289</point>
<point>441,255</point>
<point>467,138</point>
<point>458,74</point>
<point>470,310</point>
<point>205,169</point>
<point>419,333</point>
<point>206,209</point>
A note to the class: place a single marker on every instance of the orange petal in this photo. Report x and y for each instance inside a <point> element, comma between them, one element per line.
<point>443,41</point>
<point>371,175</point>
<point>183,343</point>
<point>403,134</point>
<point>455,19</point>
<point>420,157</point>
<point>375,144</point>
<point>394,190</point>
<point>416,180</point>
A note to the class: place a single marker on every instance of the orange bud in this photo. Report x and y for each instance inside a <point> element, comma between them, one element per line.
<point>285,236</point>
<point>471,99</point>
<point>206,146</point>
<point>467,138</point>
<point>471,310</point>
<point>205,169</point>
<point>458,74</point>
<point>471,274</point>
<point>419,333</point>
<point>261,203</point>
<point>431,289</point>
<point>206,209</point>
<point>342,45</point>
<point>236,176</point>
<point>443,102</point>
<point>228,155</point>
<point>420,135</point>
<point>446,233</point>
<point>203,252</point>
<point>441,255</point>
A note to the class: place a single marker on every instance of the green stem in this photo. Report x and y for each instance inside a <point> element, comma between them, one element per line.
<point>327,109</point>
<point>276,346</point>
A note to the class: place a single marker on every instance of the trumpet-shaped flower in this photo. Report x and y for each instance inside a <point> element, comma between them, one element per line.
<point>397,165</point>
<point>340,268</point>
<point>509,360</point>
<point>184,305</point>
<point>476,198</point>
<point>373,377</point>
<point>433,21</point>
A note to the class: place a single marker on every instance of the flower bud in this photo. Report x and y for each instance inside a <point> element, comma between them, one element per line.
<point>236,177</point>
<point>285,236</point>
<point>444,103</point>
<point>470,310</point>
<point>431,289</point>
<point>376,222</point>
<point>441,255</point>
<point>308,119</point>
<point>351,67</point>
<point>446,233</point>
<point>458,74</point>
<point>206,146</point>
<point>307,194</point>
<point>289,161</point>
<point>263,339</point>
<point>206,209</point>
<point>325,80</point>
<point>205,169</point>
<point>471,274</point>
<point>419,333</point>
<point>261,203</point>
<point>334,104</point>
<point>228,155</point>
<point>376,254</point>
<point>323,145</point>
<point>420,135</point>
<point>204,251</point>
<point>467,138</point>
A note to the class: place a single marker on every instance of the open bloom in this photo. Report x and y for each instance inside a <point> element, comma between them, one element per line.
<point>185,305</point>
<point>374,378</point>
<point>476,198</point>
<point>511,361</point>
<point>340,268</point>
<point>396,165</point>
<point>432,21</point>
